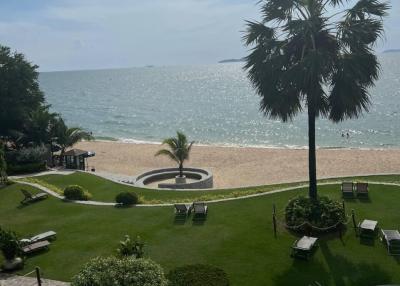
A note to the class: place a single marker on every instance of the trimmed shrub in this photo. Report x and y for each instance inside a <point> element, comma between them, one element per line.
<point>198,275</point>
<point>321,213</point>
<point>26,168</point>
<point>133,248</point>
<point>127,198</point>
<point>76,193</point>
<point>111,271</point>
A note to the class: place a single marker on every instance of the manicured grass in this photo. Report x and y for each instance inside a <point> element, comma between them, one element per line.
<point>237,237</point>
<point>105,190</point>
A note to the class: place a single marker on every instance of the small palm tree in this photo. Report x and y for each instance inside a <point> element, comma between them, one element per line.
<point>305,57</point>
<point>67,137</point>
<point>179,150</point>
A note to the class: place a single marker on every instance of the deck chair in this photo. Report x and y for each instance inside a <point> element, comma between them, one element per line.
<point>392,240</point>
<point>200,209</point>
<point>36,246</point>
<point>48,235</point>
<point>347,189</point>
<point>362,189</point>
<point>29,198</point>
<point>183,209</point>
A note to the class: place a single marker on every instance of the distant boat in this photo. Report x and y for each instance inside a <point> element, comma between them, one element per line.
<point>231,61</point>
<point>392,51</point>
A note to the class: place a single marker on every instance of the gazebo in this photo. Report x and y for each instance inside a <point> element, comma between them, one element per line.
<point>76,159</point>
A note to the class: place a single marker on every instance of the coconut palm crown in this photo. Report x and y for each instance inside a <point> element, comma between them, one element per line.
<point>179,149</point>
<point>304,56</point>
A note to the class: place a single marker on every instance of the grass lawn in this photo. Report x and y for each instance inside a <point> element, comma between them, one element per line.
<point>105,190</point>
<point>237,236</point>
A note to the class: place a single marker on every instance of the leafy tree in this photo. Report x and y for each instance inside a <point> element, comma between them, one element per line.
<point>3,165</point>
<point>179,150</point>
<point>20,94</point>
<point>304,56</point>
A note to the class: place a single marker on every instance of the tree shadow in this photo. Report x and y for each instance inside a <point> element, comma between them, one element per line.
<point>339,269</point>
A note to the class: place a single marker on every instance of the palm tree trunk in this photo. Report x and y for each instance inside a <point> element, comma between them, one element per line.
<point>181,169</point>
<point>312,164</point>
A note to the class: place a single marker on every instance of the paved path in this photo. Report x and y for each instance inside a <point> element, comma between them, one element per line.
<point>97,203</point>
<point>14,280</point>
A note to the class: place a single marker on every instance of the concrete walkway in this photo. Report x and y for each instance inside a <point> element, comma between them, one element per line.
<point>14,280</point>
<point>97,203</point>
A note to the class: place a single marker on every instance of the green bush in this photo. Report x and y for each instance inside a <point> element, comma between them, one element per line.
<point>9,244</point>
<point>27,155</point>
<point>321,213</point>
<point>133,248</point>
<point>75,192</point>
<point>127,198</point>
<point>112,271</point>
<point>26,168</point>
<point>198,275</point>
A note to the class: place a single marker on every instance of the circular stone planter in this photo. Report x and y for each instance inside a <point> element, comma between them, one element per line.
<point>203,179</point>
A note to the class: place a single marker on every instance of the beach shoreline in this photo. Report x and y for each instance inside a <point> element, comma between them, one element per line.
<point>234,167</point>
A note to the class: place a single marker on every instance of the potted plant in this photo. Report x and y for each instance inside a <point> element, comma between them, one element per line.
<point>179,149</point>
<point>11,248</point>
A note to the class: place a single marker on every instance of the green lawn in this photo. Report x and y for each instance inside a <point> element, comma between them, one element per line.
<point>105,190</point>
<point>237,236</point>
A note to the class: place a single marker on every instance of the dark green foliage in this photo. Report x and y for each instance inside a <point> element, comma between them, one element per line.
<point>3,165</point>
<point>321,213</point>
<point>301,57</point>
<point>27,155</point>
<point>9,244</point>
<point>127,198</point>
<point>26,168</point>
<point>111,271</point>
<point>198,275</point>
<point>133,248</point>
<point>75,192</point>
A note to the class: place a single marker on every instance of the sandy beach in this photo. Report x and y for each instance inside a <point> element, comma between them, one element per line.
<point>236,167</point>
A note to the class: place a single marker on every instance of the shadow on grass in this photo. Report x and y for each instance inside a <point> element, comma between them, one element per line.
<point>180,219</point>
<point>339,271</point>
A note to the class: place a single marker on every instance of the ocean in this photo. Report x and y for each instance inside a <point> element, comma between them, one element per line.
<point>212,104</point>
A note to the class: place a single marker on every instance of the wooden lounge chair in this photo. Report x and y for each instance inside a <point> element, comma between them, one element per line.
<point>36,246</point>
<point>392,240</point>
<point>200,209</point>
<point>29,198</point>
<point>183,209</point>
<point>362,189</point>
<point>347,189</point>
<point>304,247</point>
<point>48,235</point>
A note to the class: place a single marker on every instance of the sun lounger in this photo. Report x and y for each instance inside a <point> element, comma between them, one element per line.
<point>183,209</point>
<point>347,189</point>
<point>200,209</point>
<point>392,240</point>
<point>36,246</point>
<point>29,198</point>
<point>303,247</point>
<point>48,235</point>
<point>362,189</point>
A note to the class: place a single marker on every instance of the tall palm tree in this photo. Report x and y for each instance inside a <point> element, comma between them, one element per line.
<point>179,149</point>
<point>304,56</point>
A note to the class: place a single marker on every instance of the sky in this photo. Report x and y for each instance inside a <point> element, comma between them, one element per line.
<point>96,34</point>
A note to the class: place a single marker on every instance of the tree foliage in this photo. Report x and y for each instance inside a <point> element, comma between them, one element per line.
<point>179,149</point>
<point>302,56</point>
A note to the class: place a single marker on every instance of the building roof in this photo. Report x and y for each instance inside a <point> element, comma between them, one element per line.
<point>75,152</point>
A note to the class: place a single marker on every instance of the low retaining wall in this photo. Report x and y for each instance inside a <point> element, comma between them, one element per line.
<point>204,178</point>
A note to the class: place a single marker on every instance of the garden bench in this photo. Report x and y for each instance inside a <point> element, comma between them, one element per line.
<point>392,239</point>
<point>36,246</point>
